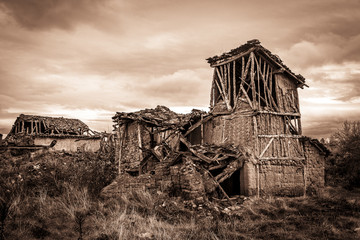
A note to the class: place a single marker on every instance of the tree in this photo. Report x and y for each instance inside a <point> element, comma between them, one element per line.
<point>347,154</point>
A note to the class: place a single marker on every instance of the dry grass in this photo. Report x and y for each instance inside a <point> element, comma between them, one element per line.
<point>57,206</point>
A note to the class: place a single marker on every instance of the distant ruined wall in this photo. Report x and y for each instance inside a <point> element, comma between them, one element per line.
<point>70,144</point>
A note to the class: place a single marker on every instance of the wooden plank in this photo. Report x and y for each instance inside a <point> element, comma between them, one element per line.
<point>258,85</point>
<point>228,81</point>
<point>266,94</point>
<point>139,142</point>
<point>202,130</point>
<point>234,84</point>
<point>218,63</point>
<point>283,158</point>
<point>224,95</point>
<point>246,96</point>
<point>220,90</point>
<point>218,184</point>
<point>280,114</point>
<point>265,88</point>
<point>252,79</point>
<point>199,155</point>
<point>197,124</point>
<point>266,147</point>
<point>212,94</point>
<point>281,67</point>
<point>280,136</point>
<point>256,136</point>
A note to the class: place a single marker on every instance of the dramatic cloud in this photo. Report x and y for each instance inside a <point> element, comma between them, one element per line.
<point>48,14</point>
<point>88,59</point>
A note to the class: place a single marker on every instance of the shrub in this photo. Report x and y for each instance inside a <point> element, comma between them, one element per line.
<point>344,164</point>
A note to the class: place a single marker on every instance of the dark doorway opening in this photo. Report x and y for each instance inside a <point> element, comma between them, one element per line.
<point>232,185</point>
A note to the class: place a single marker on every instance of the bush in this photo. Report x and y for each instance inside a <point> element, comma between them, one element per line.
<point>344,164</point>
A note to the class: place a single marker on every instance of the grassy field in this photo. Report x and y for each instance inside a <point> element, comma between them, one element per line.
<point>57,196</point>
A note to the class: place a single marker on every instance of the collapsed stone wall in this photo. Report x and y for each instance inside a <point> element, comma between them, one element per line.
<point>178,179</point>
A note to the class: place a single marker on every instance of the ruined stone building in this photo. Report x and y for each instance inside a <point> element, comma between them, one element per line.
<point>70,134</point>
<point>249,143</point>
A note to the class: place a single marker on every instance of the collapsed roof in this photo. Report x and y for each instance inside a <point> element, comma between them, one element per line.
<point>54,126</point>
<point>161,116</point>
<point>250,46</point>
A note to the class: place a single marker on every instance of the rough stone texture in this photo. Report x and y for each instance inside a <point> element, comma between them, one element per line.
<point>182,178</point>
<point>130,152</point>
<point>315,168</point>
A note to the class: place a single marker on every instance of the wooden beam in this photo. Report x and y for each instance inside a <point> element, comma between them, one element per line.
<point>139,141</point>
<point>247,97</point>
<point>212,93</point>
<point>218,63</point>
<point>234,84</point>
<point>218,184</point>
<point>258,86</point>
<point>266,148</point>
<point>252,79</point>
<point>202,130</point>
<point>225,96</point>
<point>282,158</point>
<point>199,155</point>
<point>280,114</point>
<point>229,81</point>
<point>280,136</point>
<point>256,136</point>
<point>288,72</point>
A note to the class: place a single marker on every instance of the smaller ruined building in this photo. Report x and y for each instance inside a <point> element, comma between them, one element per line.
<point>70,134</point>
<point>250,142</point>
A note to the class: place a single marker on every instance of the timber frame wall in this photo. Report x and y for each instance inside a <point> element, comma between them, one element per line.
<point>252,84</point>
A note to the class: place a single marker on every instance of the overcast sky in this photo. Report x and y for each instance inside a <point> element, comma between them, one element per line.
<point>88,59</point>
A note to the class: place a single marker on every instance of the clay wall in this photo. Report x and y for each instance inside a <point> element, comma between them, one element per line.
<point>287,95</point>
<point>281,179</point>
<point>70,144</point>
<point>315,168</point>
<point>236,129</point>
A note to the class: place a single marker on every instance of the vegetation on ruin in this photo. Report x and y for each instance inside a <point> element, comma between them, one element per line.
<point>58,196</point>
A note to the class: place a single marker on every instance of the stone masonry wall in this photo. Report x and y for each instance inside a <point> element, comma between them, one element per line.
<point>181,179</point>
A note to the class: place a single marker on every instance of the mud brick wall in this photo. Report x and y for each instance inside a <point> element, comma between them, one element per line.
<point>126,183</point>
<point>236,129</point>
<point>315,168</point>
<point>184,177</point>
<point>191,181</point>
<point>130,152</point>
<point>281,179</point>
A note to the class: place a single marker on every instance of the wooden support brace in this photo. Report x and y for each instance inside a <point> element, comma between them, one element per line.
<point>252,78</point>
<point>193,127</point>
<point>266,148</point>
<point>218,184</point>
<point>223,92</point>
<point>234,84</point>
